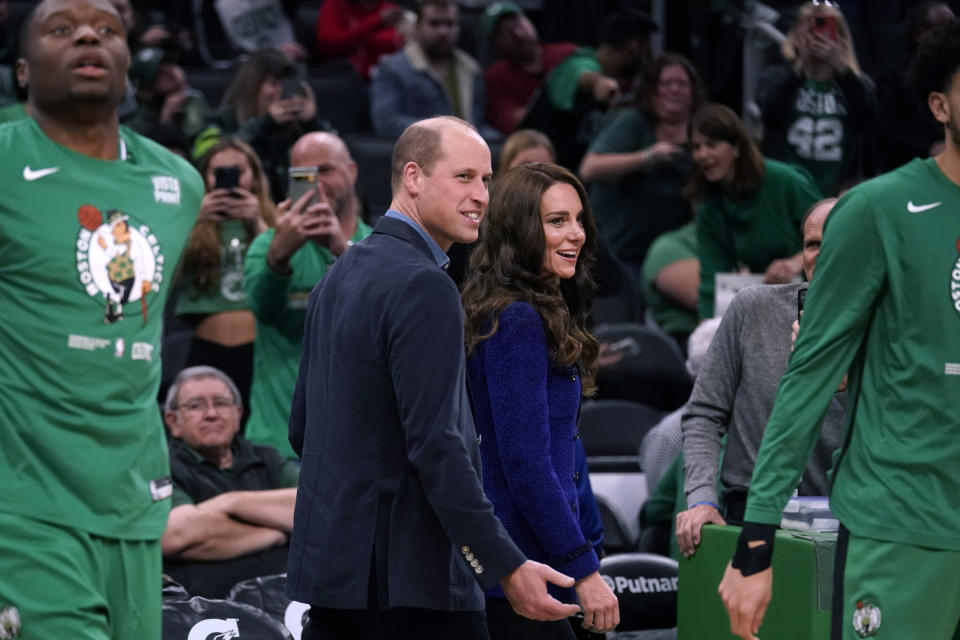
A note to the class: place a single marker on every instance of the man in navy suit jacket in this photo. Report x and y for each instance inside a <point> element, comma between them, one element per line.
<point>393,536</point>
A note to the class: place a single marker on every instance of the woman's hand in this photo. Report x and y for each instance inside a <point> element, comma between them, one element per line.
<point>601,610</point>
<point>213,207</point>
<point>661,152</point>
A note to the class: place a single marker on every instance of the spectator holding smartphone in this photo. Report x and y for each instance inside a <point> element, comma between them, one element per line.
<point>816,111</point>
<point>282,267</point>
<point>268,105</point>
<point>235,209</point>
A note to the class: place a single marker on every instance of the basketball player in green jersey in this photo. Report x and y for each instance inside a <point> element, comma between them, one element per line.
<point>885,306</point>
<point>93,219</point>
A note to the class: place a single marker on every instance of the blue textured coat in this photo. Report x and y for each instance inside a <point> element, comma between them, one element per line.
<point>526,415</point>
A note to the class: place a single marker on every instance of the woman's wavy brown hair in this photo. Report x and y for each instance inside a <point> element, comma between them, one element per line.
<point>203,254</point>
<point>720,122</point>
<point>507,266</point>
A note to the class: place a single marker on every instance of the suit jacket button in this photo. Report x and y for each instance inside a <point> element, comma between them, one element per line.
<point>576,436</point>
<point>469,557</point>
<point>573,378</point>
<point>465,550</point>
<point>474,563</point>
<point>576,476</point>
<point>479,569</point>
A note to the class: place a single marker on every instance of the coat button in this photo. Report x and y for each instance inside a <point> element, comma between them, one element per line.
<point>576,436</point>
<point>479,569</point>
<point>465,550</point>
<point>474,563</point>
<point>479,440</point>
<point>469,557</point>
<point>576,476</point>
<point>573,378</point>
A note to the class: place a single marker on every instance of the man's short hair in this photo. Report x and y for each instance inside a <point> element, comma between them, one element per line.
<point>937,60</point>
<point>625,25</point>
<point>440,4</point>
<point>420,143</point>
<point>193,373</point>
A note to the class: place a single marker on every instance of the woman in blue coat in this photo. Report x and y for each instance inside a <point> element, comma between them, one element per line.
<point>526,300</point>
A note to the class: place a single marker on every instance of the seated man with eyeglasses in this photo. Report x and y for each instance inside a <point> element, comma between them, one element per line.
<point>232,507</point>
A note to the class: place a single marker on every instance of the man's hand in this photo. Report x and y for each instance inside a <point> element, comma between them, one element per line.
<point>689,524</point>
<point>291,232</point>
<point>605,89</point>
<point>526,589</point>
<point>746,600</point>
<point>783,270</point>
<point>601,610</point>
<point>323,226</point>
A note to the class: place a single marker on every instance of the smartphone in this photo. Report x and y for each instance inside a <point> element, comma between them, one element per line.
<point>226,177</point>
<point>300,180</point>
<point>826,25</point>
<point>292,85</point>
<point>627,346</point>
<point>801,299</point>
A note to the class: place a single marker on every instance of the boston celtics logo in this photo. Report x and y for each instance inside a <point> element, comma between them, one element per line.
<point>117,260</point>
<point>955,281</point>
<point>866,619</point>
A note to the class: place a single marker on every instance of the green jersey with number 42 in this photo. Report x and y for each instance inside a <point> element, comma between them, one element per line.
<point>817,138</point>
<point>88,250</point>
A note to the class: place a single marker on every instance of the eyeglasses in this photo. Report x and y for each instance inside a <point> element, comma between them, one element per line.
<point>198,405</point>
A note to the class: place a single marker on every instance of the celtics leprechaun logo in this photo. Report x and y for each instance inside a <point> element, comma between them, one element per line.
<point>118,261</point>
<point>955,281</point>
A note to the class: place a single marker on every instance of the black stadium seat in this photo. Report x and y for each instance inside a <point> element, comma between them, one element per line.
<point>372,155</point>
<point>646,587</point>
<point>654,372</point>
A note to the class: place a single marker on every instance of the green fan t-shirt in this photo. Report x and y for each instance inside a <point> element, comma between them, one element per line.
<point>88,249</point>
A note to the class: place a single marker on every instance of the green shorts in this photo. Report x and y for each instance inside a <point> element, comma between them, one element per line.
<point>894,591</point>
<point>66,583</point>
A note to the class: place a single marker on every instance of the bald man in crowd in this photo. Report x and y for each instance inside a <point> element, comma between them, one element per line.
<point>282,267</point>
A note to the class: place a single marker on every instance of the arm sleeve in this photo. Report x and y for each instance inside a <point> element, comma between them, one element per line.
<point>851,273</point>
<point>431,401</point>
<point>386,102</point>
<point>266,291</point>
<point>517,363</point>
<point>336,37</point>
<point>775,93</point>
<point>859,94</point>
<point>708,411</point>
<point>562,85</point>
<point>715,253</point>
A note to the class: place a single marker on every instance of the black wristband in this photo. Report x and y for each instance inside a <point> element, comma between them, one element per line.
<point>750,560</point>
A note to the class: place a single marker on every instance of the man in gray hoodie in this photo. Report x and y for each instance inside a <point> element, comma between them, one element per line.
<point>734,395</point>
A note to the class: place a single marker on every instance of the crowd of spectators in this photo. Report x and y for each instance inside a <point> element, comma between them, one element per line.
<point>682,189</point>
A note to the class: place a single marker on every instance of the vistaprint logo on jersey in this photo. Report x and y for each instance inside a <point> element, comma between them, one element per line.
<point>166,189</point>
<point>955,281</point>
<point>118,262</point>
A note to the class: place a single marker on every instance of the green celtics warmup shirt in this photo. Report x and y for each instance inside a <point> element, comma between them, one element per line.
<point>88,249</point>
<point>885,305</point>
